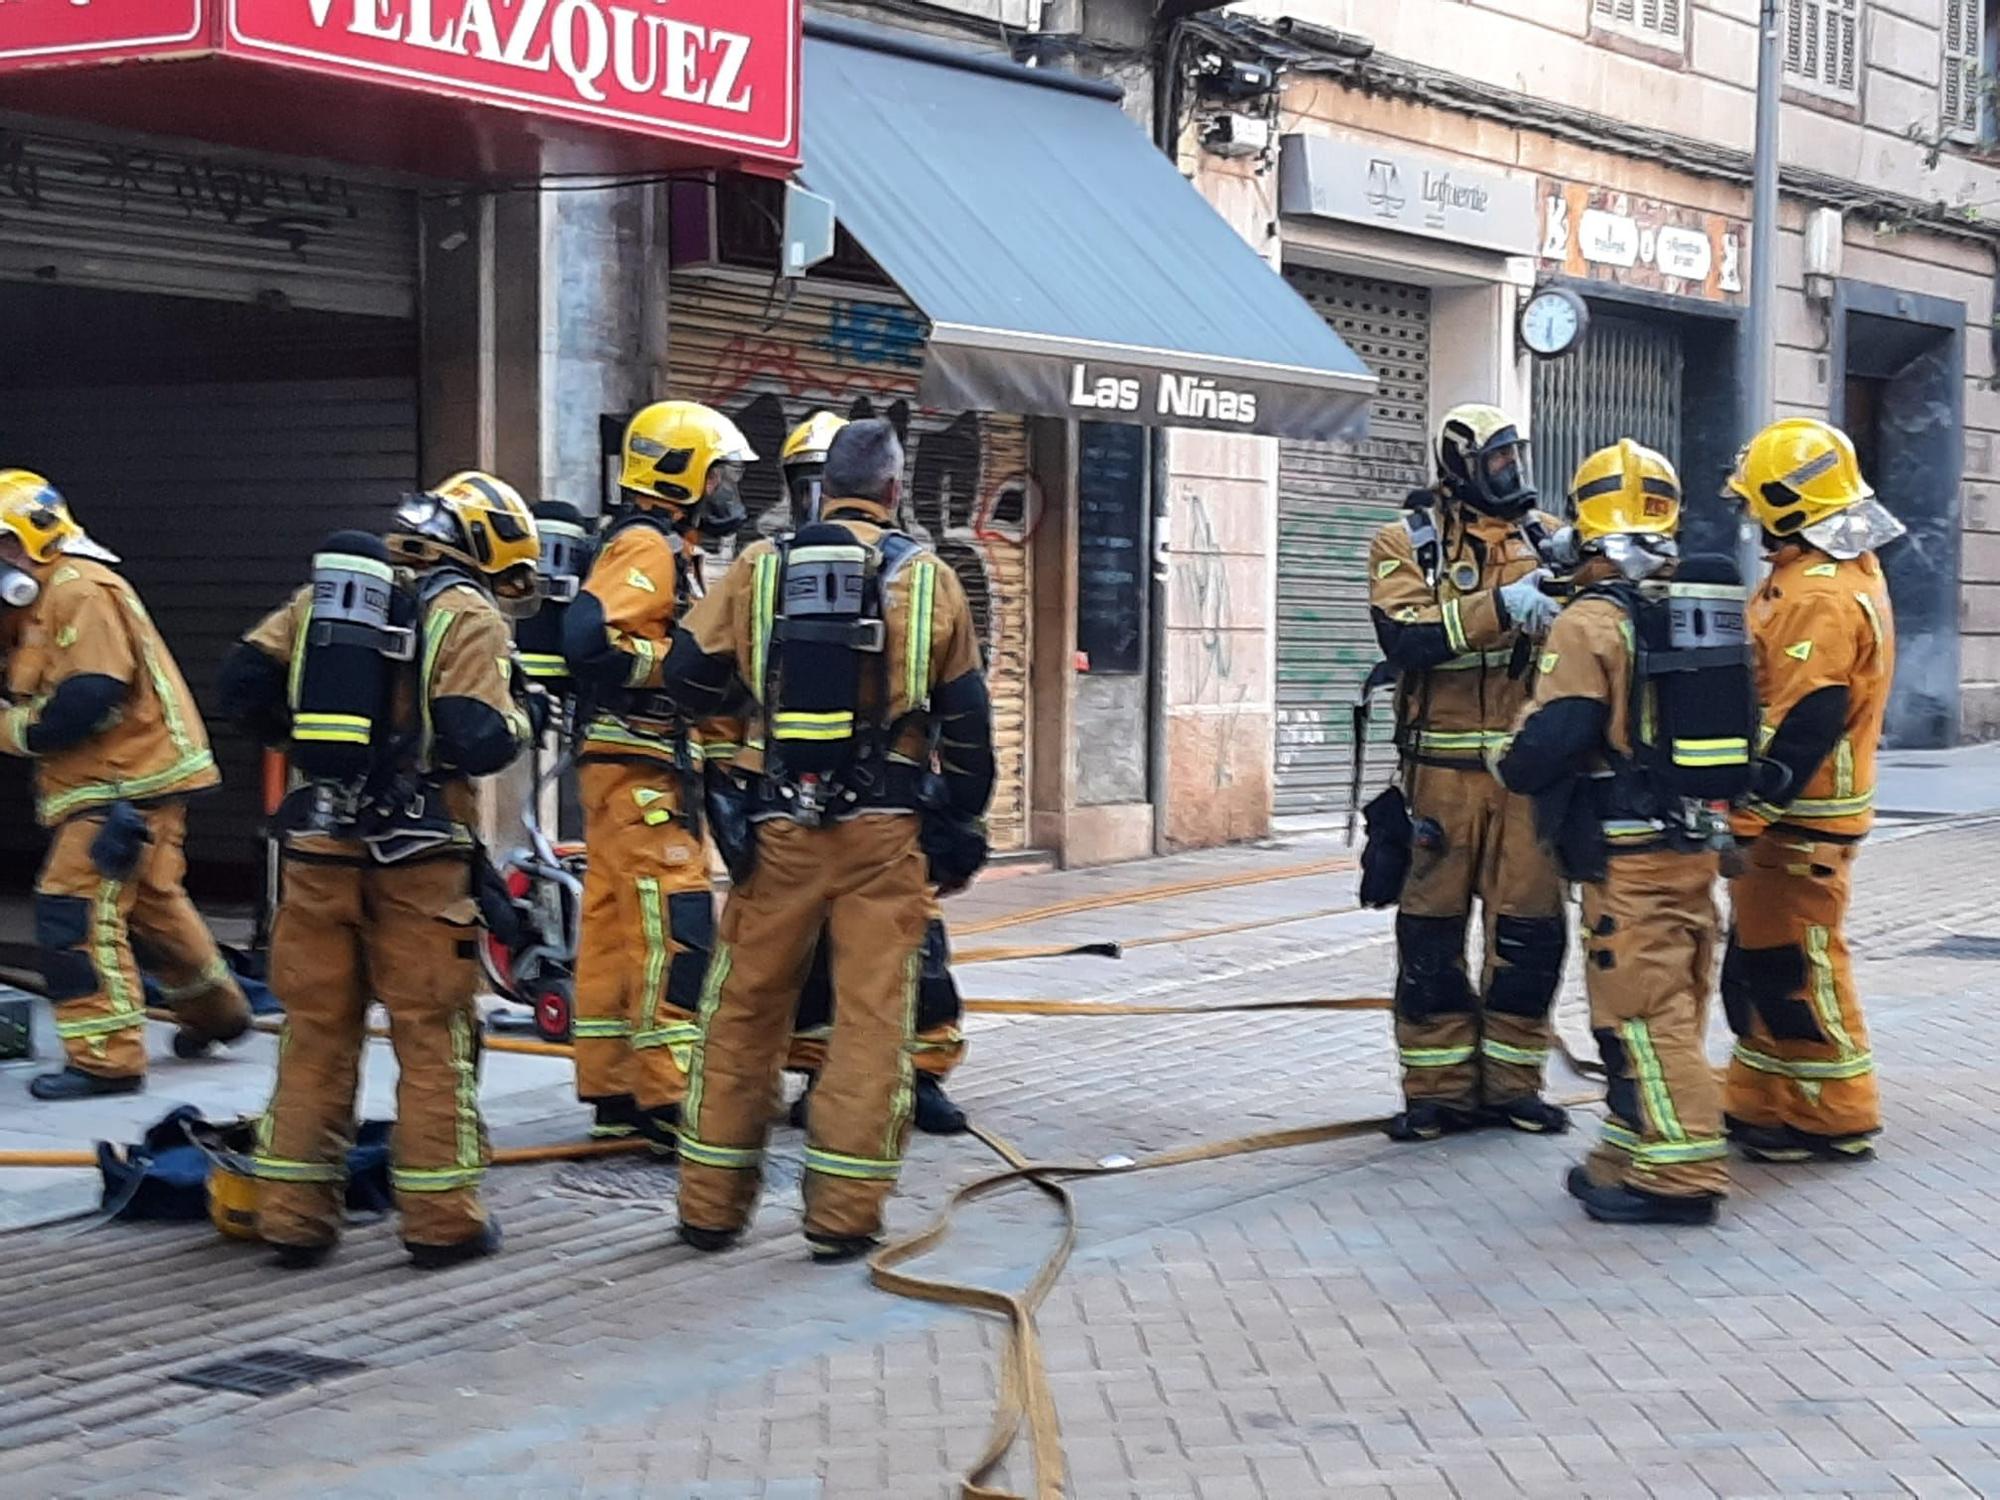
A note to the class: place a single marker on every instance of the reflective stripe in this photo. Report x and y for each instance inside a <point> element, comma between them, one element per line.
<point>764,588</point>
<point>106,932</point>
<point>1620,1137</point>
<point>435,625</point>
<point>1724,752</point>
<point>1435,1057</point>
<point>279,1169</point>
<point>536,664</point>
<point>1653,1095</point>
<point>163,687</point>
<point>711,996</point>
<point>917,651</point>
<point>96,793</point>
<point>805,726</point>
<point>1527,1057</point>
<point>599,1029</point>
<point>343,729</point>
<point>1474,659</point>
<point>1874,618</point>
<point>653,924</point>
<point>1468,742</point>
<point>644,654</point>
<point>96,1025</point>
<point>435,1179</point>
<point>1785,1067</point>
<point>727,1158</point>
<point>1696,1148</point>
<point>860,1168</point>
<point>1843,768</point>
<point>1825,990</point>
<point>676,1034</point>
<point>1630,830</point>
<point>1811,808</point>
<point>1454,628</point>
<point>17,722</point>
<point>903,1106</point>
<point>212,976</point>
<point>471,1159</point>
<point>612,732</point>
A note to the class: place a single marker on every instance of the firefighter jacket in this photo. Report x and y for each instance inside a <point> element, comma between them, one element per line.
<point>1434,577</point>
<point>616,637</point>
<point>97,699</point>
<point>929,683</point>
<point>454,707</point>
<point>1824,639</point>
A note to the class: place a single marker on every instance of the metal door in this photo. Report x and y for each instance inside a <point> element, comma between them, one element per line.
<point>1624,380</point>
<point>1332,497</point>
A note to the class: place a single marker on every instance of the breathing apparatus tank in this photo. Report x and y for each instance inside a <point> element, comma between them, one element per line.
<point>564,561</point>
<point>828,621</point>
<point>1695,667</point>
<point>359,628</point>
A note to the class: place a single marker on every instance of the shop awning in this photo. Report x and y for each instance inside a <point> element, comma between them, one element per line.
<point>1066,266</point>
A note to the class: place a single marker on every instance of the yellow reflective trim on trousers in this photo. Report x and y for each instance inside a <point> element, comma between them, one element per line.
<point>435,1179</point>
<point>466,1079</point>
<point>763,596</point>
<point>858,1168</point>
<point>903,1106</point>
<point>1825,989</point>
<point>1696,1148</point>
<point>215,973</point>
<point>678,1034</point>
<point>725,1158</point>
<point>1435,1057</point>
<point>105,932</point>
<point>653,924</point>
<point>917,651</point>
<point>1785,1067</point>
<point>1527,1057</point>
<point>71,1031</point>
<point>1454,628</point>
<point>1620,1137</point>
<point>1724,752</point>
<point>711,996</point>
<point>54,809</point>
<point>280,1169</point>
<point>596,1029</point>
<point>1652,1082</point>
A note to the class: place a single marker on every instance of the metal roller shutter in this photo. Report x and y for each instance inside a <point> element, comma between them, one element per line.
<point>125,216</point>
<point>215,495</point>
<point>1332,497</point>
<point>969,494</point>
<point>1624,380</point>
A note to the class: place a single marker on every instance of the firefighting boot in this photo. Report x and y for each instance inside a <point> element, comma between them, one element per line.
<point>1786,1145</point>
<point>1627,1205</point>
<point>1531,1114</point>
<point>935,1113</point>
<point>616,1118</point>
<point>444,1257</point>
<point>708,1241</point>
<point>661,1129</point>
<point>299,1257</point>
<point>74,1083</point>
<point>836,1250</point>
<point>1429,1122</point>
<point>191,1044</point>
<point>1577,1183</point>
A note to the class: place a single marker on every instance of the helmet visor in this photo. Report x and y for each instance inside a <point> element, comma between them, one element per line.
<point>721,513</point>
<point>1505,479</point>
<point>1865,527</point>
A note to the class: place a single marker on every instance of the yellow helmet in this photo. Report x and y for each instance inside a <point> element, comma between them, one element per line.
<point>479,522</point>
<point>35,512</point>
<point>689,456</point>
<point>811,438</point>
<point>1483,460</point>
<point>1625,490</point>
<point>1797,473</point>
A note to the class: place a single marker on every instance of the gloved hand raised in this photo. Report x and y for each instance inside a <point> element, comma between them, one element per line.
<point>1526,606</point>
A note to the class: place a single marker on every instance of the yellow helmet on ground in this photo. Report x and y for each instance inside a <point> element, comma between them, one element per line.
<point>478,522</point>
<point>34,511</point>
<point>1625,490</point>
<point>1801,480</point>
<point>1483,460</point>
<point>689,456</point>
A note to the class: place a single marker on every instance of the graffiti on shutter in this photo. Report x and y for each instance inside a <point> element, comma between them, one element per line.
<point>967,490</point>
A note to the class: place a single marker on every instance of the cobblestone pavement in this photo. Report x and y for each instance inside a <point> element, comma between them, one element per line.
<point>1353,1320</point>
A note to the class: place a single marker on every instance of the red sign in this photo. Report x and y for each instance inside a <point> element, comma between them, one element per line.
<point>722,72</point>
<point>33,31</point>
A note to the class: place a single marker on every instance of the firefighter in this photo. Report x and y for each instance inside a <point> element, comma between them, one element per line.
<point>648,916</point>
<point>1641,723</point>
<point>872,785</point>
<point>940,1011</point>
<point>1455,594</point>
<point>390,681</point>
<point>1802,1082</point>
<point>118,744</point>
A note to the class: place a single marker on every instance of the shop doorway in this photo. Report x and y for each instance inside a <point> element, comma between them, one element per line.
<point>212,444</point>
<point>1901,399</point>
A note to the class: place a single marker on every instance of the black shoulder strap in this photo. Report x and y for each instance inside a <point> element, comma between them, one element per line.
<point>1421,521</point>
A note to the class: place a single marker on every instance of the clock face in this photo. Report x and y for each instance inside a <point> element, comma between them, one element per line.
<point>1552,322</point>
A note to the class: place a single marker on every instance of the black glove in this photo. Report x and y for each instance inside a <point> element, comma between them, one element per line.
<point>956,848</point>
<point>541,710</point>
<point>1771,781</point>
<point>1385,858</point>
<point>119,842</point>
<point>727,801</point>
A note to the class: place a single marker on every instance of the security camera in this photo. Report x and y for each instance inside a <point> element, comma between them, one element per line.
<point>1226,78</point>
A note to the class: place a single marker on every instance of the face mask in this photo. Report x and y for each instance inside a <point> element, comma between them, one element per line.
<point>1638,558</point>
<point>18,589</point>
<point>721,513</point>
<point>806,490</point>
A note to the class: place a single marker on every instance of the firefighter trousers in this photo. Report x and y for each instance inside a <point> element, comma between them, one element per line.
<point>939,1045</point>
<point>349,931</point>
<point>1649,933</point>
<point>88,925</point>
<point>865,881</point>
<point>1462,1047</point>
<point>1802,1056</point>
<point>648,924</point>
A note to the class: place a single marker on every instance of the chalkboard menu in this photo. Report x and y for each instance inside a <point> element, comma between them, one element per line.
<point>1111,547</point>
